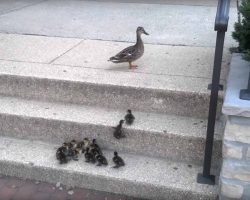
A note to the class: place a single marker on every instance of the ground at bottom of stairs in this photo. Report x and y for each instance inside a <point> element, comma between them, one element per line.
<point>12,188</point>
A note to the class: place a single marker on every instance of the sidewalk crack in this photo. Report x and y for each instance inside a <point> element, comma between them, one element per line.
<point>51,62</point>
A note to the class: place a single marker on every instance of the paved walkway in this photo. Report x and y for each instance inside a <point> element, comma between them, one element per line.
<point>12,188</point>
<point>189,22</point>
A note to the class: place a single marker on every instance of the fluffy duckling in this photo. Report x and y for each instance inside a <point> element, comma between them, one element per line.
<point>131,53</point>
<point>86,142</point>
<point>62,154</point>
<point>75,153</point>
<point>73,144</point>
<point>101,160</point>
<point>89,157</point>
<point>129,117</point>
<point>118,160</point>
<point>118,133</point>
<point>80,145</point>
<point>94,148</point>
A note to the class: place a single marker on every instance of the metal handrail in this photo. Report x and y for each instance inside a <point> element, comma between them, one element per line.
<point>222,15</point>
<point>221,24</point>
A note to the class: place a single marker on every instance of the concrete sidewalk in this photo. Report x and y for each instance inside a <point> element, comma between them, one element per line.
<point>12,188</point>
<point>175,23</point>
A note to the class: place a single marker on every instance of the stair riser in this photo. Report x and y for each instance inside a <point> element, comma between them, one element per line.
<point>101,183</point>
<point>149,143</point>
<point>141,99</point>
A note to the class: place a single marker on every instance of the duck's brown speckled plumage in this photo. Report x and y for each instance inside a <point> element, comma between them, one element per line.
<point>131,53</point>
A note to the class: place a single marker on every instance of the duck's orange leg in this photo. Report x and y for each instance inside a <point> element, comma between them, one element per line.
<point>132,66</point>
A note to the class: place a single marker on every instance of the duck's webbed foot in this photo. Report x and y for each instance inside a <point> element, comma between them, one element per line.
<point>132,66</point>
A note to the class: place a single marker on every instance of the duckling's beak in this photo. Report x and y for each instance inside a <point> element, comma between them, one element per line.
<point>145,32</point>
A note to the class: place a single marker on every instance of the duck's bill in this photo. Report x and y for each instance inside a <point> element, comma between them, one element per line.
<point>145,33</point>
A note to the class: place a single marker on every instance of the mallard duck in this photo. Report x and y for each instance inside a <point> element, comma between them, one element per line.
<point>132,53</point>
<point>118,160</point>
<point>129,117</point>
<point>118,133</point>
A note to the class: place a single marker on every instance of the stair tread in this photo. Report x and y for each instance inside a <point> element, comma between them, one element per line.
<point>154,122</point>
<point>139,170</point>
<point>160,82</point>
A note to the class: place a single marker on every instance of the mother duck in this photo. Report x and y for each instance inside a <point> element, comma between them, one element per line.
<point>131,53</point>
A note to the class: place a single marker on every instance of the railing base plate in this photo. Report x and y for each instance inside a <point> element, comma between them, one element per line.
<point>220,87</point>
<point>245,94</point>
<point>209,180</point>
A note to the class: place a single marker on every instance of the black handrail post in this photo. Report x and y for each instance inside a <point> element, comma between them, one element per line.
<point>206,177</point>
<point>245,94</point>
<point>221,23</point>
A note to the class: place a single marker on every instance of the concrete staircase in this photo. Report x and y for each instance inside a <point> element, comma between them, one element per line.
<point>43,105</point>
<point>55,89</point>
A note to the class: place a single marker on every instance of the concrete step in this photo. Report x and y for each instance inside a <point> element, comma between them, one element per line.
<point>173,87</point>
<point>142,177</point>
<point>166,136</point>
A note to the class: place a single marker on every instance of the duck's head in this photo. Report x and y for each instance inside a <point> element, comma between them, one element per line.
<point>121,122</point>
<point>129,111</point>
<point>115,153</point>
<point>140,30</point>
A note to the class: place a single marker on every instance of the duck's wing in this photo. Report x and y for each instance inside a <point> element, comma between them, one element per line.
<point>124,55</point>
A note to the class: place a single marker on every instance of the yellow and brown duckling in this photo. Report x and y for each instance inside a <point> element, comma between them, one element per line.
<point>131,53</point>
<point>119,162</point>
<point>129,117</point>
<point>73,144</point>
<point>118,132</point>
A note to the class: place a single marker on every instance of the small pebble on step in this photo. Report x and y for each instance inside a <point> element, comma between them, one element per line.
<point>70,192</point>
<point>58,184</point>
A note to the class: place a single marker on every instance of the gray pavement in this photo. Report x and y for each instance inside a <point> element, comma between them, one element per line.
<point>187,24</point>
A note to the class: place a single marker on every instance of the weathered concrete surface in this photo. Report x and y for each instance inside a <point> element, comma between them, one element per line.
<point>157,59</point>
<point>176,138</point>
<point>7,6</point>
<point>179,95</point>
<point>175,86</point>
<point>34,49</point>
<point>141,177</point>
<point>173,2</point>
<point>176,24</point>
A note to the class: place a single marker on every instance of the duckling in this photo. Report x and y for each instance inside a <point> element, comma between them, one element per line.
<point>62,154</point>
<point>129,117</point>
<point>118,160</point>
<point>89,156</point>
<point>131,53</point>
<point>118,133</point>
<point>80,145</point>
<point>94,148</point>
<point>87,143</point>
<point>73,144</point>
<point>75,153</point>
<point>101,160</point>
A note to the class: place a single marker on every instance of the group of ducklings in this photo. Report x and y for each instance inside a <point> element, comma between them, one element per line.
<point>129,118</point>
<point>91,150</point>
